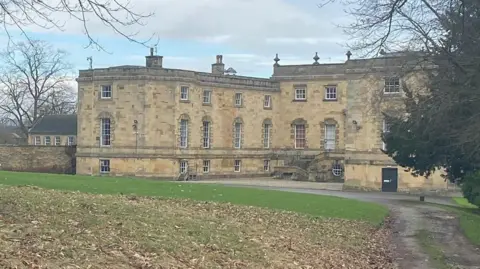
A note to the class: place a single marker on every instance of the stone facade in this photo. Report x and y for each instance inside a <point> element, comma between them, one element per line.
<point>158,122</point>
<point>51,159</point>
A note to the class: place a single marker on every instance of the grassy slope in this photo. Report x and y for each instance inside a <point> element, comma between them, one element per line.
<point>469,219</point>
<point>41,228</point>
<point>316,205</point>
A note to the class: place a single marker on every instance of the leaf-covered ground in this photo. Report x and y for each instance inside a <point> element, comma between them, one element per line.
<point>56,229</point>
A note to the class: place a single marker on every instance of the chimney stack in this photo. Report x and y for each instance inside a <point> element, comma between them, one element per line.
<point>218,68</point>
<point>154,61</point>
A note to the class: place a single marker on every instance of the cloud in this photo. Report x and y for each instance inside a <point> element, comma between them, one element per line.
<point>252,31</point>
<point>254,25</point>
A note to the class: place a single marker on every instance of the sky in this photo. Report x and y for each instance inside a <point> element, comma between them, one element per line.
<point>248,33</point>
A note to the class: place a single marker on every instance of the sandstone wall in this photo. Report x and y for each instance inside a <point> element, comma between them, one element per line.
<point>50,159</point>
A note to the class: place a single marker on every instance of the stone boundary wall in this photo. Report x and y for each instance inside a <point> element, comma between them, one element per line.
<point>31,158</point>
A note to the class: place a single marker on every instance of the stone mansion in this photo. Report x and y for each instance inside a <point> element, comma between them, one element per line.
<point>316,122</point>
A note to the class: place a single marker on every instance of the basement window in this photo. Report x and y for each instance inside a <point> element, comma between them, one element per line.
<point>104,166</point>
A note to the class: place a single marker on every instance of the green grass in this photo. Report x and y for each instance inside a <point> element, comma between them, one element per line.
<point>316,205</point>
<point>463,202</point>
<point>469,221</point>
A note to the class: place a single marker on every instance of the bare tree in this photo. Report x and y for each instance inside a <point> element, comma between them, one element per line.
<point>117,15</point>
<point>34,81</point>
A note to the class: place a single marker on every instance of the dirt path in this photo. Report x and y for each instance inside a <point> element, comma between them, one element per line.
<point>429,237</point>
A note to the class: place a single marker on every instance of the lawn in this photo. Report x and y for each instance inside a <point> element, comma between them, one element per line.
<point>469,219</point>
<point>45,228</point>
<point>316,205</point>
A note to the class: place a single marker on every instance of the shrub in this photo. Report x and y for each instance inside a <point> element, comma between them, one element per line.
<point>471,188</point>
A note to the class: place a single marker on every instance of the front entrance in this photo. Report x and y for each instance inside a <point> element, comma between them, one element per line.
<point>389,179</point>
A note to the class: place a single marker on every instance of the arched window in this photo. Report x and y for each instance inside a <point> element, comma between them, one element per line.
<point>206,132</point>
<point>106,129</point>
<point>237,133</point>
<point>183,130</point>
<point>266,133</point>
<point>300,133</point>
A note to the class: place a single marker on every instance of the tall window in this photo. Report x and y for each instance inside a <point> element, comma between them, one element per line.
<point>238,99</point>
<point>237,165</point>
<point>183,167</point>
<point>266,135</point>
<point>104,166</point>
<point>37,140</point>
<point>237,136</point>
<point>392,85</point>
<point>47,140</point>
<point>386,129</point>
<point>57,140</point>
<point>206,166</point>
<point>300,140</point>
<point>71,140</point>
<point>206,134</point>
<point>184,93</point>
<point>183,133</point>
<point>267,102</point>
<point>105,132</point>
<point>106,92</point>
<point>300,93</point>
<point>331,93</point>
<point>207,96</point>
<point>330,136</point>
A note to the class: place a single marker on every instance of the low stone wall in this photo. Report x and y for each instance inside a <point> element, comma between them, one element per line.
<point>31,158</point>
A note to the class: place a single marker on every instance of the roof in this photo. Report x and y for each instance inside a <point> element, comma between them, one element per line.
<point>55,125</point>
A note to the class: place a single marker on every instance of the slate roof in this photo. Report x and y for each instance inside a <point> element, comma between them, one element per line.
<point>55,125</point>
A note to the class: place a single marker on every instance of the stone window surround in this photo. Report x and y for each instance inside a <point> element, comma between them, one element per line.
<point>299,121</point>
<point>242,132</point>
<point>187,89</point>
<point>206,166</point>
<point>269,122</point>
<point>98,127</point>
<point>389,82</point>
<point>269,101</point>
<point>300,87</point>
<point>209,91</point>
<point>237,164</point>
<point>183,165</point>
<point>329,121</point>
<point>210,125</point>
<point>326,93</point>
<point>106,91</point>
<point>266,165</point>
<point>240,94</point>
<point>105,167</point>
<point>187,118</point>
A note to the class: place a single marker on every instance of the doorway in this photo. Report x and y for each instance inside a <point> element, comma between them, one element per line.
<point>389,179</point>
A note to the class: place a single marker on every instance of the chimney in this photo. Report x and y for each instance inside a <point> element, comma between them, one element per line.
<point>154,61</point>
<point>218,68</point>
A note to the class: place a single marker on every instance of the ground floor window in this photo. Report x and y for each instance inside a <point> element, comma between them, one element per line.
<point>183,167</point>
<point>237,165</point>
<point>337,169</point>
<point>266,165</point>
<point>104,166</point>
<point>206,166</point>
